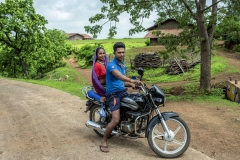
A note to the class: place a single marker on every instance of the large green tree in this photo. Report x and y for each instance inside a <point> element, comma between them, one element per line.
<point>28,48</point>
<point>48,54</point>
<point>229,31</point>
<point>202,16</point>
<point>229,28</point>
<point>21,28</point>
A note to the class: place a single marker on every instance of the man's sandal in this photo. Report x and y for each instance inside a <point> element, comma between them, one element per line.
<point>103,148</point>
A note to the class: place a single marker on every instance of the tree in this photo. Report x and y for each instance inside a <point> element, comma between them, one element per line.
<point>229,28</point>
<point>29,49</point>
<point>196,12</point>
<point>48,54</point>
<point>21,28</point>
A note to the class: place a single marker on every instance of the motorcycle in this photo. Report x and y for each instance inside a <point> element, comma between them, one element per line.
<point>168,135</point>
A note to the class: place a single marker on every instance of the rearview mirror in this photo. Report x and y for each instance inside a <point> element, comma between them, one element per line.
<point>140,71</point>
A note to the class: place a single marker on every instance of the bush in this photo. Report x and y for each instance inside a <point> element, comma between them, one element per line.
<point>85,55</point>
<point>147,42</point>
<point>236,48</point>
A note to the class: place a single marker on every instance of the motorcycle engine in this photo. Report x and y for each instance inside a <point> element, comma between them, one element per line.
<point>127,127</point>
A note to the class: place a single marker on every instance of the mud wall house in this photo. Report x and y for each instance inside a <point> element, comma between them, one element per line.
<point>170,26</point>
<point>77,36</point>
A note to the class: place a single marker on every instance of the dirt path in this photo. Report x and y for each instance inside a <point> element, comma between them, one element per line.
<point>86,73</point>
<point>38,122</point>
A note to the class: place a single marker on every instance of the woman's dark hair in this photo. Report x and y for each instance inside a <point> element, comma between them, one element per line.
<point>118,45</point>
<point>99,49</point>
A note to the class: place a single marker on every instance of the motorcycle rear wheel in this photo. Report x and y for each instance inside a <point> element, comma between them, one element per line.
<point>95,117</point>
<point>173,146</point>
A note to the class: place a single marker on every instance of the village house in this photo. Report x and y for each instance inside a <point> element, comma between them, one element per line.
<point>77,36</point>
<point>170,26</point>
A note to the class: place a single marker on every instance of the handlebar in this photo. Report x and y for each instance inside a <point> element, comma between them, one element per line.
<point>143,87</point>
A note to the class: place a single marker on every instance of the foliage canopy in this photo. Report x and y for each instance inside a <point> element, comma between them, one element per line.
<point>28,48</point>
<point>201,16</point>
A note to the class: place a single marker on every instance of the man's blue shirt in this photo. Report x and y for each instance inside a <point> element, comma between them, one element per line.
<point>113,84</point>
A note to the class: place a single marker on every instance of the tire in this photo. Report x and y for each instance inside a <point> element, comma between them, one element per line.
<point>176,145</point>
<point>95,117</point>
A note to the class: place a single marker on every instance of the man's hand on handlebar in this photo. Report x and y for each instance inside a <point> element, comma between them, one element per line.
<point>135,83</point>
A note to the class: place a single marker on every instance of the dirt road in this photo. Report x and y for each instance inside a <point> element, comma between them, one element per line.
<point>38,122</point>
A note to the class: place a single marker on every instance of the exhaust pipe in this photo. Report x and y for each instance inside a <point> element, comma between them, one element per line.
<point>96,126</point>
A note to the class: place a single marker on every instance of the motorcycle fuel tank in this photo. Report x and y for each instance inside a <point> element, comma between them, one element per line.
<point>133,101</point>
<point>129,103</point>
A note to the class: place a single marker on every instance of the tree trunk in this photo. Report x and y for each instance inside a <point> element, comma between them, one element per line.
<point>24,67</point>
<point>212,23</point>
<point>205,72</point>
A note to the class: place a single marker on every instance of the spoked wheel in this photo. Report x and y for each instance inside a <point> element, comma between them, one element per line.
<point>95,117</point>
<point>173,145</point>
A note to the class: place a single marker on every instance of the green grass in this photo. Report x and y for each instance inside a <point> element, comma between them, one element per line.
<point>217,101</point>
<point>54,79</point>
<point>218,65</point>
<point>108,44</point>
<point>130,40</point>
<point>215,98</point>
<point>66,86</point>
<point>158,75</point>
<point>231,69</point>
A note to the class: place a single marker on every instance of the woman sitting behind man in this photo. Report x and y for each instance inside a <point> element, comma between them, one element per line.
<point>100,62</point>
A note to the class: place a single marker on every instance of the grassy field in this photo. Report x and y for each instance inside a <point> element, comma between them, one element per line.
<point>55,79</point>
<point>108,44</point>
<point>155,75</point>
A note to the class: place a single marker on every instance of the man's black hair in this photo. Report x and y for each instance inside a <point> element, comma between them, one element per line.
<point>118,45</point>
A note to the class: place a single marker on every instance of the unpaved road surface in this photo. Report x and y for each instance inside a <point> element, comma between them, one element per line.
<point>38,122</point>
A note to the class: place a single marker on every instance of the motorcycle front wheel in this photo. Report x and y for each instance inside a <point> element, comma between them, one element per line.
<point>173,145</point>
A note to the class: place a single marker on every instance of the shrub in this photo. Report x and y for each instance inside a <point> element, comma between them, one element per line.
<point>85,54</point>
<point>147,42</point>
<point>236,48</point>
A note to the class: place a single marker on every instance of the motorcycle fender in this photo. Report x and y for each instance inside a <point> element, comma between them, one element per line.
<point>156,120</point>
<point>89,105</point>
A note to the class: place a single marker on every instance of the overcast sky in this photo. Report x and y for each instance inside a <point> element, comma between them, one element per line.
<point>72,15</point>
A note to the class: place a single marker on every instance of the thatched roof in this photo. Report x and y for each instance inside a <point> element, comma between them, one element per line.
<point>164,31</point>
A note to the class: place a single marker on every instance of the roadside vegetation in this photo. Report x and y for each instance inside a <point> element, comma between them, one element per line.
<point>73,84</point>
<point>55,79</point>
<point>30,52</point>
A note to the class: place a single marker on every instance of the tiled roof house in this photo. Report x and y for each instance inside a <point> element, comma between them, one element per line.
<point>77,36</point>
<point>170,26</point>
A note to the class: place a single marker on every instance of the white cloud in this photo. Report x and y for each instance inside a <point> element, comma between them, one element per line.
<point>56,15</point>
<point>59,4</point>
